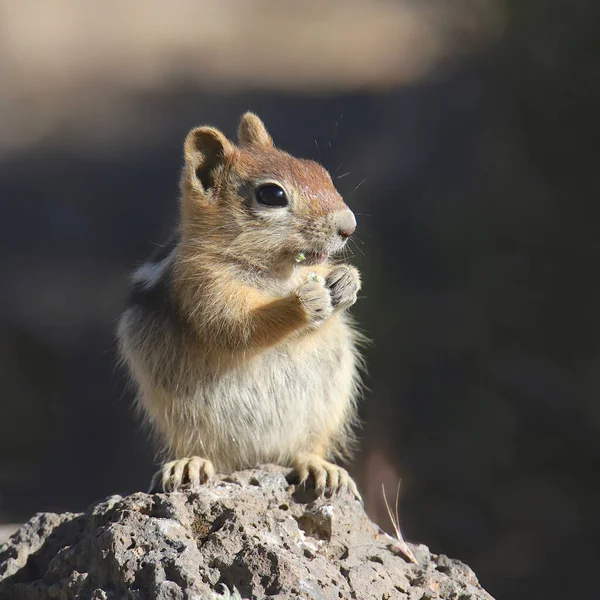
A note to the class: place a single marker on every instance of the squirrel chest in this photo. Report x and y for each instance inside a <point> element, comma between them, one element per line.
<point>258,408</point>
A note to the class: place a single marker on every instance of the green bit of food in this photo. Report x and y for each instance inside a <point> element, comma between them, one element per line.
<point>300,257</point>
<point>313,277</point>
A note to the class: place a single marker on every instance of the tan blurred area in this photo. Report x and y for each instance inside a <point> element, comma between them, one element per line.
<point>81,59</point>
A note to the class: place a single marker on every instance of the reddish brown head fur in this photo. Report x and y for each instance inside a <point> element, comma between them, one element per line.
<point>309,179</point>
<point>208,152</point>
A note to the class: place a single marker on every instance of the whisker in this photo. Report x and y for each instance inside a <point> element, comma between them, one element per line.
<point>343,175</point>
<point>348,252</point>
<point>357,247</point>
<point>352,192</point>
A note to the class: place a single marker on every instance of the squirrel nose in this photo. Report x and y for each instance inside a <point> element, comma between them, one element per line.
<point>345,222</point>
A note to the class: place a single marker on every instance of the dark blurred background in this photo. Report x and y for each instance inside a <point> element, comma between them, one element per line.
<point>464,135</point>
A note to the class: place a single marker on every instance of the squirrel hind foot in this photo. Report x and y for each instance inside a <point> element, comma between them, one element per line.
<point>191,471</point>
<point>327,477</point>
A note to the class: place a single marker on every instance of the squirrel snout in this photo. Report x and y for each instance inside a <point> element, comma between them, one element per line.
<point>345,222</point>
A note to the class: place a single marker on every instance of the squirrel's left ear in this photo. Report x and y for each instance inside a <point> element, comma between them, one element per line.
<point>205,149</point>
<point>253,131</point>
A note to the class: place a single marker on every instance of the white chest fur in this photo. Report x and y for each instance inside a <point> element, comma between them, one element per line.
<point>272,406</point>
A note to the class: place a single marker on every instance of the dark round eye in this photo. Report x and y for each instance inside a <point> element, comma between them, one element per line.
<point>271,195</point>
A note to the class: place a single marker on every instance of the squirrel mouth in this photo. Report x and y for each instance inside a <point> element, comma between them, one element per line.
<point>311,258</point>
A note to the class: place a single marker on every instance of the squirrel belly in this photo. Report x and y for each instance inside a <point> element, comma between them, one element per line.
<point>236,333</point>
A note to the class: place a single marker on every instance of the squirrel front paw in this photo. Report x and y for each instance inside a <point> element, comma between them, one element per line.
<point>315,299</point>
<point>344,284</point>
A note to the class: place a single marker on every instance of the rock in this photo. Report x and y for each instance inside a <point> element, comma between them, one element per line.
<point>251,531</point>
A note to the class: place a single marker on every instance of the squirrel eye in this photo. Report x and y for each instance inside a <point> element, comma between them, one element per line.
<point>271,195</point>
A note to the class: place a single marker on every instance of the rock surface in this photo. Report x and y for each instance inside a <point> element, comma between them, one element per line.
<point>251,531</point>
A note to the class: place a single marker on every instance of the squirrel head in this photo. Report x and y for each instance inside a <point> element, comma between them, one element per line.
<point>254,203</point>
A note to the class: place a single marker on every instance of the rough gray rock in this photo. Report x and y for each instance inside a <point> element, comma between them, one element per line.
<point>252,531</point>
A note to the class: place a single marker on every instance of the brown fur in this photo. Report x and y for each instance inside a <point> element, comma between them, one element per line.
<point>251,332</point>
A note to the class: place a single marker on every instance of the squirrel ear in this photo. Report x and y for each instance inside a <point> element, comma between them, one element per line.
<point>205,148</point>
<point>253,131</point>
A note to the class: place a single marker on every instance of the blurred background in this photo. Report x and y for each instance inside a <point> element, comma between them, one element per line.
<point>464,135</point>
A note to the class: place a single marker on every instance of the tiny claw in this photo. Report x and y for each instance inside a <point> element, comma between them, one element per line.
<point>320,476</point>
<point>333,479</point>
<point>166,477</point>
<point>177,476</point>
<point>354,491</point>
<point>153,488</point>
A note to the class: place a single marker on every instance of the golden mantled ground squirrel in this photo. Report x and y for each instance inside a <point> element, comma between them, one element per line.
<point>237,332</point>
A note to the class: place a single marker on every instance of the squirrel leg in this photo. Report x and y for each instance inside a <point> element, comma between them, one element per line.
<point>327,476</point>
<point>191,470</point>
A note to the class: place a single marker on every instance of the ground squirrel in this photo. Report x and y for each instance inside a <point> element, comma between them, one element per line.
<point>236,332</point>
